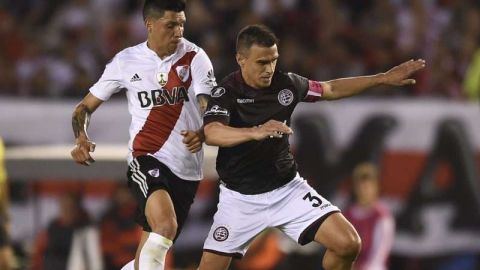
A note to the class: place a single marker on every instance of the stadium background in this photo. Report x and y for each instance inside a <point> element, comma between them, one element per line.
<point>426,137</point>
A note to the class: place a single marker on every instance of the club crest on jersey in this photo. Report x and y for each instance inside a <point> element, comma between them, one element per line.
<point>221,233</point>
<point>285,97</point>
<point>162,78</point>
<point>183,72</point>
<point>218,92</point>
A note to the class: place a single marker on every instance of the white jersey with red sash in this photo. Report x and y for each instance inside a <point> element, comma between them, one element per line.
<point>162,100</point>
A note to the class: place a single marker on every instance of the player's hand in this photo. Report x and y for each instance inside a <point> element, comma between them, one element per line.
<point>271,129</point>
<point>193,140</point>
<point>400,75</point>
<point>81,152</point>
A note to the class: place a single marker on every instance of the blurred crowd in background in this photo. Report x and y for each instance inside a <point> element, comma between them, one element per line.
<point>58,48</point>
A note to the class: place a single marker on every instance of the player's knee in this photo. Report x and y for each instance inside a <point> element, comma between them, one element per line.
<point>349,247</point>
<point>166,227</point>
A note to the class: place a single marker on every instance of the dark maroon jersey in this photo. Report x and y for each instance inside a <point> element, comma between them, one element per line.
<point>258,166</point>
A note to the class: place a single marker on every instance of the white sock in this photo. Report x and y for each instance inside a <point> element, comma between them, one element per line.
<point>154,251</point>
<point>129,266</point>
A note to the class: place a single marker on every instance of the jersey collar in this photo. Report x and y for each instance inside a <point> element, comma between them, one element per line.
<point>154,54</point>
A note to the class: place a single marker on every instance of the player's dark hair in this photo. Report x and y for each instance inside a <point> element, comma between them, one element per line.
<point>256,34</point>
<point>156,8</point>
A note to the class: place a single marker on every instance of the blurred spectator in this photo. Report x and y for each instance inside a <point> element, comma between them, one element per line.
<point>76,38</point>
<point>371,218</point>
<point>119,233</point>
<point>70,242</point>
<point>7,259</point>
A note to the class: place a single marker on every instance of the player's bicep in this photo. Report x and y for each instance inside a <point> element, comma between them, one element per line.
<point>308,90</point>
<point>317,91</point>
<point>219,107</point>
<point>203,77</point>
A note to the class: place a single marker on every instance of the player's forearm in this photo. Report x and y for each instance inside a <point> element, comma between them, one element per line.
<point>224,136</point>
<point>80,121</point>
<point>346,87</point>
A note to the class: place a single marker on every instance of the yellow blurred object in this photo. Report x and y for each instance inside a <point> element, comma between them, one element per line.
<point>3,173</point>
<point>3,185</point>
<point>471,84</point>
<point>7,257</point>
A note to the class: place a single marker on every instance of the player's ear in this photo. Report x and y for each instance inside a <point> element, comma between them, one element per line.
<point>240,59</point>
<point>149,25</point>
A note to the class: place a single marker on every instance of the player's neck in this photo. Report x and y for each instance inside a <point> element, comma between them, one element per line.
<point>249,82</point>
<point>161,52</point>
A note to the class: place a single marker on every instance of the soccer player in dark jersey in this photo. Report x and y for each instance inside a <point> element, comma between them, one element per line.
<point>248,117</point>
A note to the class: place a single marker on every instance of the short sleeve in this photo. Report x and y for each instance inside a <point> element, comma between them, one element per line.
<point>219,107</point>
<point>110,82</point>
<point>310,91</point>
<point>203,77</point>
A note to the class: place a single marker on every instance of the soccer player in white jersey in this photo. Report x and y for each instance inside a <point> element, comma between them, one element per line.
<point>167,80</point>
<point>248,116</point>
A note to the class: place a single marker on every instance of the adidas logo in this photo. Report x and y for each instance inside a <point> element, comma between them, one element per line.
<point>135,78</point>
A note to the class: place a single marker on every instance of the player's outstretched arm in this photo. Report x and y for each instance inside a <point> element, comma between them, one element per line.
<point>80,121</point>
<point>218,134</point>
<point>397,76</point>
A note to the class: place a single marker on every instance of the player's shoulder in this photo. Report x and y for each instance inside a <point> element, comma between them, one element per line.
<point>288,76</point>
<point>226,85</point>
<point>133,52</point>
<point>188,46</point>
<point>232,81</point>
<point>282,79</point>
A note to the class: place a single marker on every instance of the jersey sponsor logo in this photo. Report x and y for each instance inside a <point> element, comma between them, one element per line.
<point>160,97</point>
<point>135,78</point>
<point>183,72</point>
<point>316,201</point>
<point>154,172</point>
<point>245,100</point>
<point>162,78</point>
<point>221,234</point>
<point>285,97</point>
<point>218,92</point>
<point>217,110</point>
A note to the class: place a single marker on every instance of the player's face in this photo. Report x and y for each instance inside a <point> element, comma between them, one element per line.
<point>258,65</point>
<point>165,33</point>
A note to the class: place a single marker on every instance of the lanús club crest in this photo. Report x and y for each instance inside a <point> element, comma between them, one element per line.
<point>162,78</point>
<point>285,97</point>
<point>221,233</point>
<point>183,72</point>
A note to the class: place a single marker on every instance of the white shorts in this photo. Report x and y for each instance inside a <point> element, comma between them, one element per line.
<point>295,209</point>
